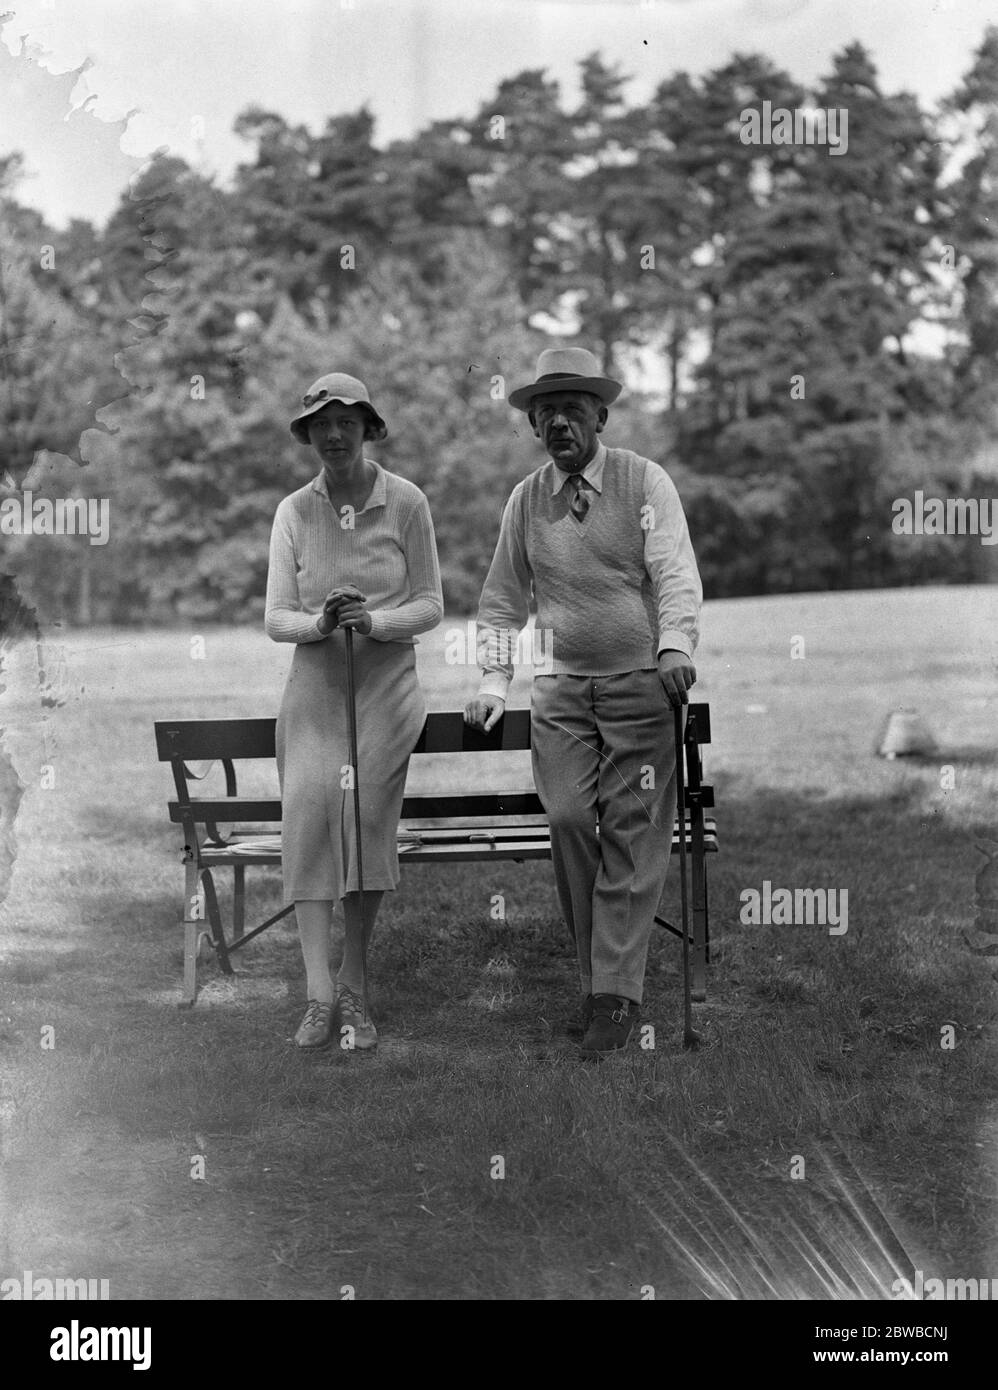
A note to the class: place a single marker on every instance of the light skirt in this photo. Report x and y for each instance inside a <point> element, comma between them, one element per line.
<point>319,858</point>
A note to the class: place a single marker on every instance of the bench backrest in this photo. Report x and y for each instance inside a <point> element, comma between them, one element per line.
<point>198,740</point>
<point>191,745</point>
<point>195,740</point>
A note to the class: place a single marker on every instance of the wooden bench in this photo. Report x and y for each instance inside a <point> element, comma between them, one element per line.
<point>448,827</point>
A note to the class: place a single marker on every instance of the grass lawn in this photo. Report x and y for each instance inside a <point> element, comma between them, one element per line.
<point>822,1142</point>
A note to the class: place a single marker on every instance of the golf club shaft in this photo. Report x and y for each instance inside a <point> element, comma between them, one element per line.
<point>352,715</point>
<point>681,813</point>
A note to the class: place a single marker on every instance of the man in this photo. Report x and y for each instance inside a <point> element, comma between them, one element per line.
<point>598,538</point>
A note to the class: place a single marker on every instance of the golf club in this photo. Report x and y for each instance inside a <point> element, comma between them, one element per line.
<point>352,713</point>
<point>691,1038</point>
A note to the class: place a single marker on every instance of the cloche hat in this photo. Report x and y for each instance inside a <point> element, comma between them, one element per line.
<point>336,386</point>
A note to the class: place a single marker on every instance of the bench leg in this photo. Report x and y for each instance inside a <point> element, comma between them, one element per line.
<point>215,918</point>
<point>238,900</point>
<point>706,913</point>
<point>193,931</point>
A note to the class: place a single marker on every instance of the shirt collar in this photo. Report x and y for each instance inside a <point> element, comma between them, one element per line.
<point>593,472</point>
<point>378,497</point>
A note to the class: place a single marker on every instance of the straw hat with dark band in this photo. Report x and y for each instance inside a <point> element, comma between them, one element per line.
<point>566,369</point>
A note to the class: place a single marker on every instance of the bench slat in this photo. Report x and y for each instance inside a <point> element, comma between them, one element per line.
<point>227,809</point>
<point>444,732</point>
<point>473,804</point>
<point>448,733</point>
<point>450,853</point>
<point>464,841</point>
<point>507,849</point>
<point>201,739</point>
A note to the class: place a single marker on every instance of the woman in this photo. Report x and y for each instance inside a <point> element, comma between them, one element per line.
<point>353,550</point>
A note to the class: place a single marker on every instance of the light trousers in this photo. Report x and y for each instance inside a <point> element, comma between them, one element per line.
<point>603,756</point>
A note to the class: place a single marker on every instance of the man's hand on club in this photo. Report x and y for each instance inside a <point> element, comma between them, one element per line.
<point>334,609</point>
<point>678,676</point>
<point>485,712</point>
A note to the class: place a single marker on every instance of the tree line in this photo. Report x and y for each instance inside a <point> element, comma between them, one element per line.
<point>804,338</point>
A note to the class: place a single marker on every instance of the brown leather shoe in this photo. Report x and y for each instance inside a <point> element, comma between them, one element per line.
<point>317,1025</point>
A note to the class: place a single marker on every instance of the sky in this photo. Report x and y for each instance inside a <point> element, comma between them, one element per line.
<point>186,68</point>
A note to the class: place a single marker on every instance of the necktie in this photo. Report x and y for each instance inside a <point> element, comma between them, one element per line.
<point>579,503</point>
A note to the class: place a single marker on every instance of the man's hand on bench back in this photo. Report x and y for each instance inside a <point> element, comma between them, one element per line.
<point>485,712</point>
